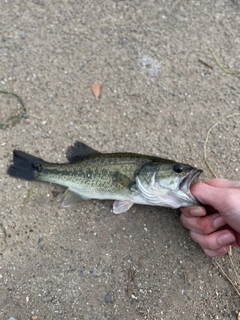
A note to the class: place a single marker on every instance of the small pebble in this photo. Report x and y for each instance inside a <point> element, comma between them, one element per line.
<point>12,318</point>
<point>25,116</point>
<point>40,239</point>
<point>109,297</point>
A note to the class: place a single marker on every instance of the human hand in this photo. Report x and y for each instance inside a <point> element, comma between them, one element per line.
<point>216,226</point>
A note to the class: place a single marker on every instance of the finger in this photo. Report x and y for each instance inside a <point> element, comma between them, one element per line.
<point>215,240</point>
<point>225,201</point>
<point>198,211</point>
<point>223,183</point>
<point>219,198</point>
<point>203,225</point>
<point>216,253</point>
<point>194,211</point>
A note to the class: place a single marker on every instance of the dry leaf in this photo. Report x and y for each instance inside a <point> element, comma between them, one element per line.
<point>96,89</point>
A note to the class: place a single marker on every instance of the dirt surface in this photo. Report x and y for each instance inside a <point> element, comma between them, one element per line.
<point>84,262</point>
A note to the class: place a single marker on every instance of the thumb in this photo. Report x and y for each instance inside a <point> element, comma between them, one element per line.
<point>225,200</point>
<point>209,195</point>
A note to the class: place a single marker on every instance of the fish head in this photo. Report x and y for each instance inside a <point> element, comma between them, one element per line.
<point>168,183</point>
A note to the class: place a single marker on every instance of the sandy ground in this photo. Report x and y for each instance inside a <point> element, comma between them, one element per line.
<point>84,262</point>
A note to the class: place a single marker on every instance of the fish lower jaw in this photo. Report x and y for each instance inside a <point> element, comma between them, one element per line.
<point>171,200</point>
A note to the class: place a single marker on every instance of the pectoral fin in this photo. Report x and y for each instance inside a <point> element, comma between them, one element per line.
<point>121,179</point>
<point>120,206</point>
<point>70,198</point>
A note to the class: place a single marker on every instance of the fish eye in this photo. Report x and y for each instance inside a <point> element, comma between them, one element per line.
<point>178,168</point>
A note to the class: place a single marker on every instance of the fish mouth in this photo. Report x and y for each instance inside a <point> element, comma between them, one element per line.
<point>188,182</point>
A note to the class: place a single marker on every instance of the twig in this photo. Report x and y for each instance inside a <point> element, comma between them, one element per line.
<point>12,119</point>
<point>205,63</point>
<point>206,141</point>
<point>227,277</point>
<point>17,96</point>
<point>130,279</point>
<point>221,66</point>
<point>31,192</point>
<point>234,268</point>
<point>4,235</point>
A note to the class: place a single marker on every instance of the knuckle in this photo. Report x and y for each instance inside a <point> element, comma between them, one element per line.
<point>207,242</point>
<point>204,225</point>
<point>195,237</point>
<point>211,242</point>
<point>231,198</point>
<point>184,221</point>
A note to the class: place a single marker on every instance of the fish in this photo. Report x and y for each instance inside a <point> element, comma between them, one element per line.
<point>126,178</point>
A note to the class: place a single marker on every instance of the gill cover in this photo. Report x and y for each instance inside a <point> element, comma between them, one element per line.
<point>164,184</point>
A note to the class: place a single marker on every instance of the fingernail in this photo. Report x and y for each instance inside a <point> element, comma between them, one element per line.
<point>196,211</point>
<point>218,222</point>
<point>226,238</point>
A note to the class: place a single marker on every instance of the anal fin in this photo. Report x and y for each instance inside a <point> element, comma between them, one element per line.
<point>70,198</point>
<point>120,206</point>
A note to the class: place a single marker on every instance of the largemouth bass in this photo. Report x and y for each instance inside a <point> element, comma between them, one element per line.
<point>127,178</point>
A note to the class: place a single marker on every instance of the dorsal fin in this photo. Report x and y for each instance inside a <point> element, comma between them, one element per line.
<point>79,151</point>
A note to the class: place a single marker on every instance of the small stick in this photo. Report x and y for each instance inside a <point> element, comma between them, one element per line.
<point>129,285</point>
<point>4,235</point>
<point>13,118</point>
<point>30,192</point>
<point>234,268</point>
<point>205,63</point>
<point>226,276</point>
<point>221,66</point>
<point>206,141</point>
<point>17,96</point>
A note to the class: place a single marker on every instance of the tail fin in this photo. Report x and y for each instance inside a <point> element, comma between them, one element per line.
<point>25,166</point>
